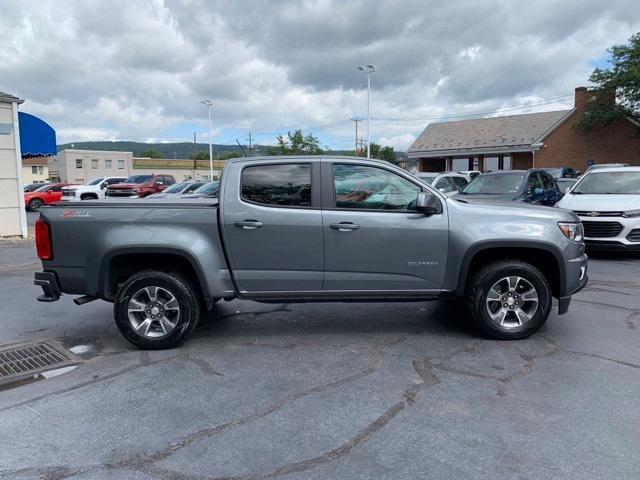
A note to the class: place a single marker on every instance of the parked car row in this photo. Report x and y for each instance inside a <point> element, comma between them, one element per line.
<point>607,199</point>
<point>135,186</point>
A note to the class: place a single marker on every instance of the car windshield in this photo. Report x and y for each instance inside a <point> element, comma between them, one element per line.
<point>33,187</point>
<point>564,183</point>
<point>427,177</point>
<point>176,187</point>
<point>138,179</point>
<point>495,184</point>
<point>556,172</point>
<point>43,189</point>
<point>208,188</point>
<point>604,183</point>
<point>95,181</point>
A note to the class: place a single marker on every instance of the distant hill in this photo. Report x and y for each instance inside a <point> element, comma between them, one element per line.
<point>176,150</point>
<point>168,150</point>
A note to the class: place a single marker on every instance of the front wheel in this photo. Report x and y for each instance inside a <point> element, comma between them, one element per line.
<point>35,204</point>
<point>509,299</point>
<point>156,310</point>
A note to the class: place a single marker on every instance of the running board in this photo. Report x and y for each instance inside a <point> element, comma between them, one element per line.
<point>83,300</point>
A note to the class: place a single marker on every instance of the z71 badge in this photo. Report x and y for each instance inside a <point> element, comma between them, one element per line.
<point>75,214</point>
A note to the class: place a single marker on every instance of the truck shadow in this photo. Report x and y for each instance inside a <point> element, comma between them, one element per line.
<point>245,318</point>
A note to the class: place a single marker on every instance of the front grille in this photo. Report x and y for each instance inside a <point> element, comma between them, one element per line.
<point>26,360</point>
<point>591,213</point>
<point>121,193</point>
<point>634,235</point>
<point>601,229</point>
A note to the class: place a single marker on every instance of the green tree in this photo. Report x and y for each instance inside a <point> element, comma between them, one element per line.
<point>382,153</point>
<point>620,81</point>
<point>296,143</point>
<point>151,153</point>
<point>200,155</point>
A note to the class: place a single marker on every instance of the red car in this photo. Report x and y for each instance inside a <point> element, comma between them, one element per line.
<point>48,193</point>
<point>139,186</point>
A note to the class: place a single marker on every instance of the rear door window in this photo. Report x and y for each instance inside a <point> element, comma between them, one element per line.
<point>281,185</point>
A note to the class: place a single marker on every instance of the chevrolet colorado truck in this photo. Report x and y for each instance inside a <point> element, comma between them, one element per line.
<point>310,229</point>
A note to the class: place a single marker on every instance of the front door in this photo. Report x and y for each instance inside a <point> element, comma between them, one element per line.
<point>374,239</point>
<point>273,226</point>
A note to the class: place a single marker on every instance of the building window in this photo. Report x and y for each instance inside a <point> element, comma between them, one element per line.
<point>94,163</point>
<point>506,162</point>
<point>491,164</point>
<point>120,164</point>
<point>78,163</point>
<point>205,178</point>
<point>107,164</point>
<point>34,169</point>
<point>459,164</point>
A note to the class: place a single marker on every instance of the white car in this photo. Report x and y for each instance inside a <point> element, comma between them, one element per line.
<point>94,190</point>
<point>448,183</point>
<point>607,200</point>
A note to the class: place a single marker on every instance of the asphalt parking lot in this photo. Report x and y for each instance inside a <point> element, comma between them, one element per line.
<point>328,391</point>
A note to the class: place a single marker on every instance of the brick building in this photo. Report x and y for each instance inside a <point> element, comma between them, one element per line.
<point>545,139</point>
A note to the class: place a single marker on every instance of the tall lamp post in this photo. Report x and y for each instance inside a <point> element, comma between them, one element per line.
<point>209,105</point>
<point>368,70</point>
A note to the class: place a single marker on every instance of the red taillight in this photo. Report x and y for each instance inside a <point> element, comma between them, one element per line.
<point>43,240</point>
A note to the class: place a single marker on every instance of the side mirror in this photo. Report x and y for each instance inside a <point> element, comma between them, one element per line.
<point>159,183</point>
<point>538,192</point>
<point>103,185</point>
<point>428,204</point>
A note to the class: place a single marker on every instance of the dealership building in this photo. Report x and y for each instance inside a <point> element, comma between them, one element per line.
<point>544,139</point>
<point>25,143</point>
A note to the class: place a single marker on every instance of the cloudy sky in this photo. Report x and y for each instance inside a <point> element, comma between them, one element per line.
<point>137,70</point>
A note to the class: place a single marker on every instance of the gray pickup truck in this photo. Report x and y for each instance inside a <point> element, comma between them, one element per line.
<point>310,229</point>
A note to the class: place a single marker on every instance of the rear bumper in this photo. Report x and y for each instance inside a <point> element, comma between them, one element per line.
<point>49,284</point>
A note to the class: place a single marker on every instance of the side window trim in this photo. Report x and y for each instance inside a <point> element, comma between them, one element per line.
<point>314,171</point>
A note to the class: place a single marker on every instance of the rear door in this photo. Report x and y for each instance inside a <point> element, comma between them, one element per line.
<point>374,240</point>
<point>272,225</point>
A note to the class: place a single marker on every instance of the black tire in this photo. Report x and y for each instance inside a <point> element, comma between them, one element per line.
<point>184,294</point>
<point>88,196</point>
<point>486,277</point>
<point>35,204</point>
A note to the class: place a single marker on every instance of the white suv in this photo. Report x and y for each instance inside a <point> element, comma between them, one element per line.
<point>607,200</point>
<point>448,183</point>
<point>94,190</point>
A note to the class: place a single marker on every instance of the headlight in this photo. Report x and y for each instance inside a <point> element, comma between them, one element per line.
<point>573,231</point>
<point>631,213</point>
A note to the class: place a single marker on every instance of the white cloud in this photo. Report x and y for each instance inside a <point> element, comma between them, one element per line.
<point>137,70</point>
<point>398,142</point>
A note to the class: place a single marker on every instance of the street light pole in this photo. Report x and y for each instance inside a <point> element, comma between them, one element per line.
<point>368,70</point>
<point>209,105</point>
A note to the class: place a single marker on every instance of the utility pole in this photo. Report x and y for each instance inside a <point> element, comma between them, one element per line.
<point>195,156</point>
<point>356,120</point>
<point>209,104</point>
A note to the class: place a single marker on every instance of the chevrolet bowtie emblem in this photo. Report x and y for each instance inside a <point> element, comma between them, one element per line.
<point>593,214</point>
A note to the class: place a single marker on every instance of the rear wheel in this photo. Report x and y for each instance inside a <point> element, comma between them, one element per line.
<point>35,204</point>
<point>509,299</point>
<point>156,310</point>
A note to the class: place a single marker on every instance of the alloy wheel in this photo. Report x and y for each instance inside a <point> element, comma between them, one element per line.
<point>512,302</point>
<point>153,312</point>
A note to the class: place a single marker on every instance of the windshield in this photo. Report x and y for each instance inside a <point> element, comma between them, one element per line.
<point>95,181</point>
<point>42,189</point>
<point>138,179</point>
<point>495,184</point>
<point>33,187</point>
<point>176,187</point>
<point>604,183</point>
<point>208,188</point>
<point>428,178</point>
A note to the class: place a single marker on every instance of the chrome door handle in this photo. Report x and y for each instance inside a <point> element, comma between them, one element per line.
<point>344,226</point>
<point>249,224</point>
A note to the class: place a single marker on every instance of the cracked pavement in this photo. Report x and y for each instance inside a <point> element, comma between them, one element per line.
<point>317,391</point>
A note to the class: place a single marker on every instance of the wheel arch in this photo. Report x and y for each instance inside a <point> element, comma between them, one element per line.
<point>121,263</point>
<point>547,257</point>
